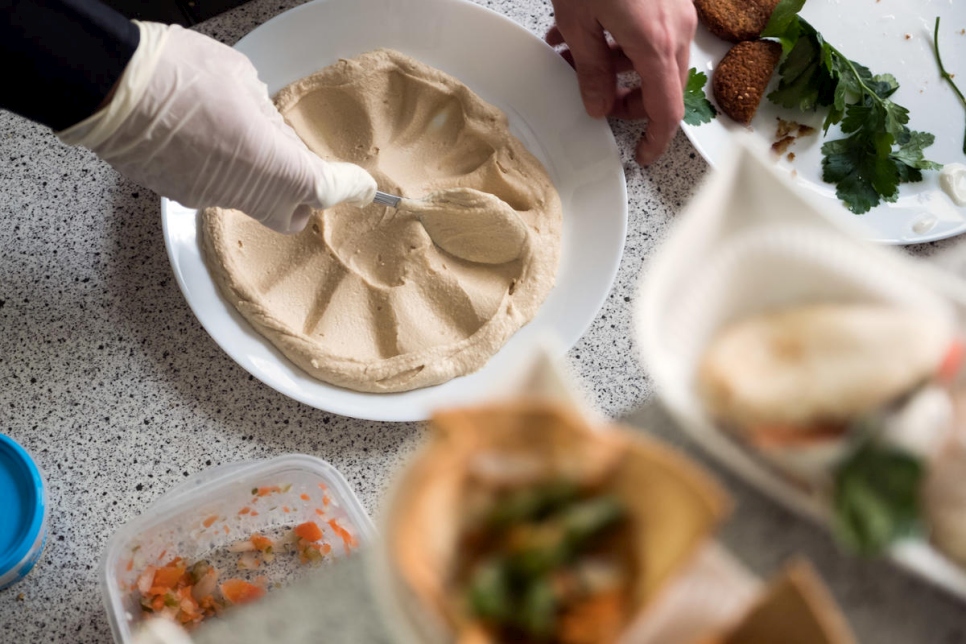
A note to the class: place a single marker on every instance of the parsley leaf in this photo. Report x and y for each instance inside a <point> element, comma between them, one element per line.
<point>697,108</point>
<point>783,23</point>
<point>910,158</point>
<point>806,82</point>
<point>876,498</point>
<point>879,151</point>
<point>861,176</point>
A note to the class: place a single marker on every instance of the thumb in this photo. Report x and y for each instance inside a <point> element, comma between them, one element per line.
<point>337,182</point>
<point>595,68</point>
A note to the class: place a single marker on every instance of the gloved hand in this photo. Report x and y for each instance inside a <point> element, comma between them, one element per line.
<point>190,120</point>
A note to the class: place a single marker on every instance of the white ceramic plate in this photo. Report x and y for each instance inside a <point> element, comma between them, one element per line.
<point>507,66</point>
<point>875,35</point>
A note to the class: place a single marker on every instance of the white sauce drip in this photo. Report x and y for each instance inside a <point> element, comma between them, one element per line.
<point>952,178</point>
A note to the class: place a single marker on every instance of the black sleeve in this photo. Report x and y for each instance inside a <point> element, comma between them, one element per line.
<point>60,58</point>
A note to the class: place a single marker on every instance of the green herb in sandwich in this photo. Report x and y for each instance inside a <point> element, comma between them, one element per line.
<point>876,498</point>
<point>541,552</point>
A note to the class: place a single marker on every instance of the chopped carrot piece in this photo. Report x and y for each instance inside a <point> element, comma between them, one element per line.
<point>254,513</point>
<point>130,565</point>
<point>157,603</point>
<point>309,531</point>
<point>207,522</point>
<point>326,500</point>
<point>245,510</point>
<point>323,487</point>
<point>226,529</point>
<point>305,497</point>
<point>269,489</point>
<point>319,512</point>
<point>238,591</point>
<point>286,509</point>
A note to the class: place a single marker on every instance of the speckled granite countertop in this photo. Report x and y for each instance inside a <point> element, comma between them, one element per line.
<point>114,387</point>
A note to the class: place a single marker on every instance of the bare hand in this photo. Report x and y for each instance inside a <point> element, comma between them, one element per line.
<point>651,37</point>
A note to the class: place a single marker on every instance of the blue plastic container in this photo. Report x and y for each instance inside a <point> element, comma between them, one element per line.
<point>23,512</point>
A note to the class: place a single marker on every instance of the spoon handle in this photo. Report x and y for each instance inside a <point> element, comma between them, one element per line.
<point>387,199</point>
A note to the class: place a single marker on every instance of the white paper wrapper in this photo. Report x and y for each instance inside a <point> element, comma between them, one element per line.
<point>710,596</point>
<point>749,242</point>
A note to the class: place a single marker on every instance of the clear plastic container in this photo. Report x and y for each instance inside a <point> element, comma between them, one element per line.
<point>207,513</point>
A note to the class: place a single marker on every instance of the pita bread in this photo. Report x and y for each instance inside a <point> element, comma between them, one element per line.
<point>673,505</point>
<point>818,364</point>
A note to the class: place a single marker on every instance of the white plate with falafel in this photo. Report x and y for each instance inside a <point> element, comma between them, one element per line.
<point>887,37</point>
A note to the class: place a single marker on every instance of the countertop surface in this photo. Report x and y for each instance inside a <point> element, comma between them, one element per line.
<point>117,391</point>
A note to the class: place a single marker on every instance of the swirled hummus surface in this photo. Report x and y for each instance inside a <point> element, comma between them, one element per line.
<point>362,298</point>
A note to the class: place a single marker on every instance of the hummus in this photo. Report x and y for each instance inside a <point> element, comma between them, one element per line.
<point>472,225</point>
<point>362,298</point>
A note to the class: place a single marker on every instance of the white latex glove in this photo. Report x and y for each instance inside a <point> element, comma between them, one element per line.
<point>190,120</point>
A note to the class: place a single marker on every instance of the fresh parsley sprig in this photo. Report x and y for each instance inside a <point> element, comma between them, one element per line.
<point>697,108</point>
<point>879,151</point>
<point>946,75</point>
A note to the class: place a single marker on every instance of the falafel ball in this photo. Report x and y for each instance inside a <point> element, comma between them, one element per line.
<point>740,79</point>
<point>735,20</point>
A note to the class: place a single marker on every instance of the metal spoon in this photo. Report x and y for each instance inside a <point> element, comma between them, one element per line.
<point>466,223</point>
<point>387,199</point>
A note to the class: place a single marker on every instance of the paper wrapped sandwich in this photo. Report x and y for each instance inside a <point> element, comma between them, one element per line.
<point>850,398</point>
<point>814,364</point>
<point>796,608</point>
<point>520,522</point>
<point>801,382</point>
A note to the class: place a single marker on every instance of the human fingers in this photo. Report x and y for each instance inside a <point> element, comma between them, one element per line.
<point>661,98</point>
<point>629,105</point>
<point>592,59</point>
<point>553,37</point>
<point>658,46</point>
<point>621,62</point>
